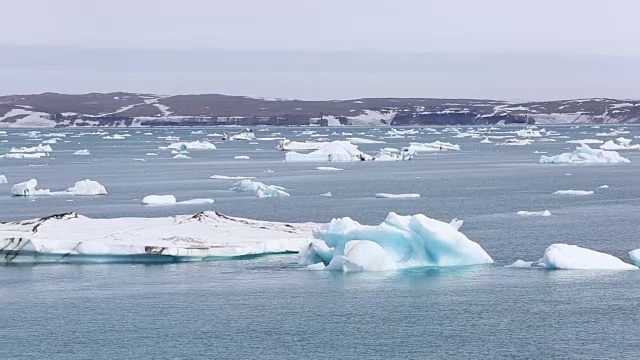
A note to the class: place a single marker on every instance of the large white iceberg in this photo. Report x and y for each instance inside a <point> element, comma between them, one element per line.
<point>81,188</point>
<point>338,151</point>
<point>572,257</point>
<point>399,242</point>
<point>69,238</point>
<point>585,155</point>
<point>36,149</point>
<point>259,189</point>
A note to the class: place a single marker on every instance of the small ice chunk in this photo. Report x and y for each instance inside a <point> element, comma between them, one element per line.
<point>181,156</point>
<point>603,186</point>
<point>573,192</point>
<point>396,196</point>
<point>3,179</point>
<point>534,213</point>
<point>241,157</point>
<point>259,189</point>
<point>328,168</point>
<point>521,264</point>
<point>82,152</point>
<point>326,194</point>
<point>224,177</point>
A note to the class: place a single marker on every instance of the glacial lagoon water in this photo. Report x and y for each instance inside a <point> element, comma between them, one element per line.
<point>272,308</point>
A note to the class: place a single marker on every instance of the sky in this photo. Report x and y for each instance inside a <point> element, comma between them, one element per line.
<point>330,49</point>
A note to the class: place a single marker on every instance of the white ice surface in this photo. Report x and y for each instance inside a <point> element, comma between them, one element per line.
<point>191,145</point>
<point>82,152</point>
<point>338,151</point>
<point>585,155</point>
<point>205,236</point>
<point>573,192</point>
<point>396,196</point>
<point>400,242</point>
<point>572,257</point>
<point>534,213</point>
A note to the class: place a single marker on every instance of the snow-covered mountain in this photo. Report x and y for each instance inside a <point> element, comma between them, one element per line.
<point>129,109</point>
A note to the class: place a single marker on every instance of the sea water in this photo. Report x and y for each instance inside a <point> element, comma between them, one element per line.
<point>272,308</point>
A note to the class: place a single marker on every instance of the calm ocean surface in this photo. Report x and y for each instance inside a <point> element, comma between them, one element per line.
<point>272,308</point>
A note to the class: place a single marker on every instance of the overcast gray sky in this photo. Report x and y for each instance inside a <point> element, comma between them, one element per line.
<point>511,49</point>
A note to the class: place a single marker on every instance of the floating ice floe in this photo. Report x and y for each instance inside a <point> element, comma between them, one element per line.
<point>259,189</point>
<point>486,141</point>
<point>114,137</point>
<point>328,168</point>
<point>181,156</point>
<point>338,151</point>
<point>603,186</point>
<point>534,213</point>
<point>585,155</point>
<point>619,144</point>
<point>163,200</point>
<point>572,257</point>
<point>82,152</point>
<point>246,134</point>
<point>355,140</point>
<point>585,141</point>
<point>151,154</point>
<point>24,155</point>
<point>399,242</point>
<point>224,177</point>
<point>241,157</point>
<point>73,238</point>
<point>393,154</point>
<point>573,192</point>
<point>327,194</point>
<point>3,179</point>
<point>36,149</point>
<point>528,133</point>
<point>433,147</point>
<point>191,145</point>
<point>286,145</point>
<point>396,196</point>
<point>81,188</point>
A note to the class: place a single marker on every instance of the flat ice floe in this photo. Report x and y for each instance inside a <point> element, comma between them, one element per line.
<point>24,155</point>
<point>396,196</point>
<point>585,155</point>
<point>36,149</point>
<point>328,168</point>
<point>572,257</point>
<point>338,151</point>
<point>241,157</point>
<point>82,152</point>
<point>181,156</point>
<point>224,177</point>
<point>433,147</point>
<point>191,145</point>
<point>259,189</point>
<point>81,188</point>
<point>585,141</point>
<point>534,213</point>
<point>399,242</point>
<point>73,238</point>
<point>164,200</point>
<point>573,192</point>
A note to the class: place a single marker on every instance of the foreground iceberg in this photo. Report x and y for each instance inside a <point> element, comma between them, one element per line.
<point>585,155</point>
<point>259,189</point>
<point>399,242</point>
<point>340,151</point>
<point>572,257</point>
<point>81,188</point>
<point>72,238</point>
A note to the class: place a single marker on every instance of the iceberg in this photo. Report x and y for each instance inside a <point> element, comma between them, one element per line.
<point>259,189</point>
<point>338,151</point>
<point>327,194</point>
<point>393,154</point>
<point>245,134</point>
<point>328,168</point>
<point>24,155</point>
<point>572,257</point>
<point>396,196</point>
<point>3,179</point>
<point>433,147</point>
<point>241,157</point>
<point>573,192</point>
<point>73,238</point>
<point>82,152</point>
<point>36,149</point>
<point>399,242</point>
<point>635,256</point>
<point>223,177</point>
<point>81,188</point>
<point>534,213</point>
<point>528,133</point>
<point>585,155</point>
<point>486,141</point>
<point>114,137</point>
<point>181,156</point>
<point>619,144</point>
<point>603,186</point>
<point>191,145</point>
<point>163,200</point>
